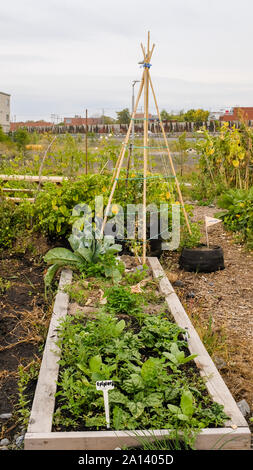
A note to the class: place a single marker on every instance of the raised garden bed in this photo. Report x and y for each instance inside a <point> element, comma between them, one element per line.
<point>41,433</point>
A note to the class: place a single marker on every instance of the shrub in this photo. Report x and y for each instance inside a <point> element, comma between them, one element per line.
<point>14,219</point>
<point>238,214</point>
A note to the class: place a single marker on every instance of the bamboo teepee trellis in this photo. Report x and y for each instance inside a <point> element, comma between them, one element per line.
<point>146,82</point>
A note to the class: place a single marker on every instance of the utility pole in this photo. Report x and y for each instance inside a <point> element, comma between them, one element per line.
<point>132,143</point>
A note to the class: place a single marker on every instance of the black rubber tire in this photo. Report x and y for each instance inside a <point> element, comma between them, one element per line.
<point>202,259</point>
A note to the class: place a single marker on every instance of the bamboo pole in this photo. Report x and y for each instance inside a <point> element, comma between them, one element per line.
<point>145,156</point>
<point>121,157</point>
<point>170,158</point>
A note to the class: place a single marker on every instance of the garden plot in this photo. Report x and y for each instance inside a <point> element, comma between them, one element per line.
<point>138,335</point>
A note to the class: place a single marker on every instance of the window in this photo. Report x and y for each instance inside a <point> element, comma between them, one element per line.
<point>7,117</point>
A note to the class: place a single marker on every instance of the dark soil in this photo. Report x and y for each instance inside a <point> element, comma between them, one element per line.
<point>23,323</point>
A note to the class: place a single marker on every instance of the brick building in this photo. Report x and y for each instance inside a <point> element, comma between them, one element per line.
<point>236,113</point>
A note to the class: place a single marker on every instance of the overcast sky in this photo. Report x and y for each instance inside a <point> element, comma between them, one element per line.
<point>63,56</point>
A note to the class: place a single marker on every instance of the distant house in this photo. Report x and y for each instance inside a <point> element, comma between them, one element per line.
<point>236,113</point>
<point>5,111</point>
<point>29,124</point>
<point>79,121</point>
<point>141,116</point>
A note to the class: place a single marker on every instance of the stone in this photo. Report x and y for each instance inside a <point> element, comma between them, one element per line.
<point>190,295</point>
<point>243,407</point>
<point>179,283</point>
<point>19,441</point>
<point>219,362</point>
<point>4,442</point>
<point>5,415</point>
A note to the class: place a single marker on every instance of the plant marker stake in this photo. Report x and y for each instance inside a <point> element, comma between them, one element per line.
<point>209,221</point>
<point>104,386</point>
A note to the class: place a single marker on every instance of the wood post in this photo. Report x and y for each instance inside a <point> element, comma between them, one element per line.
<point>121,156</point>
<point>170,158</point>
<point>145,154</point>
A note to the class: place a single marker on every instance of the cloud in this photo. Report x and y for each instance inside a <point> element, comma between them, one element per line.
<point>60,54</point>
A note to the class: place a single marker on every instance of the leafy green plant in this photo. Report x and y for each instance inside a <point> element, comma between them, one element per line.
<point>24,403</point>
<point>190,240</point>
<point>148,392</point>
<point>121,300</point>
<point>86,253</point>
<point>14,221</point>
<point>4,285</point>
<point>177,357</point>
<point>238,213</point>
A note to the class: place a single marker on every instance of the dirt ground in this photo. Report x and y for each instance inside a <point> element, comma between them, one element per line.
<point>220,305</point>
<point>23,325</point>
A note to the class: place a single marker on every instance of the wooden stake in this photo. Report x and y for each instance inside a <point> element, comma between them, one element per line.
<point>121,156</point>
<point>145,157</point>
<point>170,158</point>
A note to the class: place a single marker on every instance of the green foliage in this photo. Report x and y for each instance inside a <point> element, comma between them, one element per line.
<point>225,159</point>
<point>21,137</point>
<point>151,391</point>
<point>192,240</point>
<point>87,253</point>
<point>238,214</point>
<point>3,137</point>
<point>25,377</point>
<point>193,115</point>
<point>123,117</point>
<point>121,300</point>
<point>136,276</point>
<point>4,285</point>
<point>14,220</point>
<point>196,115</point>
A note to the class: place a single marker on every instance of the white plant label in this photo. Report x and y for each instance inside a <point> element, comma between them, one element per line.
<point>105,386</point>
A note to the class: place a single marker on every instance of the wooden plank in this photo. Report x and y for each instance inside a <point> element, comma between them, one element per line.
<point>214,382</point>
<point>207,439</point>
<point>40,437</point>
<point>19,199</point>
<point>33,178</point>
<point>22,190</point>
<point>44,398</point>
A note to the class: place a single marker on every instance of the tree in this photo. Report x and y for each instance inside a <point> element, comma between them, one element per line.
<point>107,119</point>
<point>165,116</point>
<point>123,117</point>
<point>21,137</point>
<point>196,115</point>
<point>181,146</point>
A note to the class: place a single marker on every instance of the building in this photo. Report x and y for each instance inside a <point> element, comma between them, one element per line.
<point>235,114</point>
<point>5,111</point>
<point>29,124</point>
<point>79,121</point>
